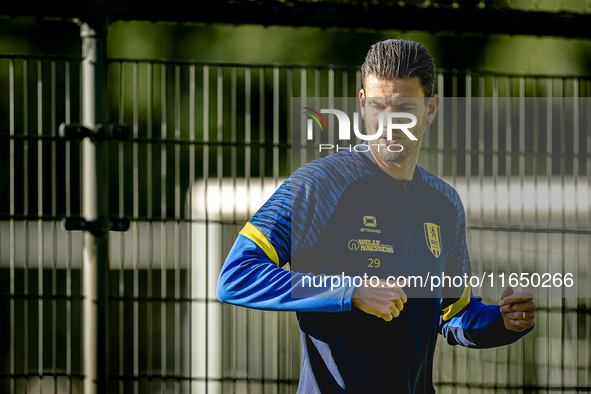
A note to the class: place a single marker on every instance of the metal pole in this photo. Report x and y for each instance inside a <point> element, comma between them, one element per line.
<point>95,205</point>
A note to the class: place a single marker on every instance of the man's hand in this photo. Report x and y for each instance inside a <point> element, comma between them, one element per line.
<point>382,301</point>
<point>518,309</point>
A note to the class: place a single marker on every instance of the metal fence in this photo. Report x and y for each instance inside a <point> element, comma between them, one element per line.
<point>209,143</point>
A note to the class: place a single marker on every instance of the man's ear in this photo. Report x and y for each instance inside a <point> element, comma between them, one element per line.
<point>432,106</point>
<point>362,101</point>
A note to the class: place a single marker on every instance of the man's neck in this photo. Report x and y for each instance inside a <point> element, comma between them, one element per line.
<point>403,170</point>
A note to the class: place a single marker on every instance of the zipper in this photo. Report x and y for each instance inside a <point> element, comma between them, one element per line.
<point>406,212</point>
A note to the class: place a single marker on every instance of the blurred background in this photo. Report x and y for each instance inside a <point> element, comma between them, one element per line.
<point>206,89</point>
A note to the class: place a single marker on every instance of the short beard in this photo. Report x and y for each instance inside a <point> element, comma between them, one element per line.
<point>382,152</point>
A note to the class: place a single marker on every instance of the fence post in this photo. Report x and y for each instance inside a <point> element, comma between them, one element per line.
<point>95,205</point>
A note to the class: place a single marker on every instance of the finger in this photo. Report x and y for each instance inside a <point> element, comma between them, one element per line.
<point>526,323</point>
<point>507,292</point>
<point>520,315</point>
<point>398,304</point>
<point>387,317</point>
<point>402,295</point>
<point>523,294</point>
<point>522,306</point>
<point>395,312</point>
<point>512,299</point>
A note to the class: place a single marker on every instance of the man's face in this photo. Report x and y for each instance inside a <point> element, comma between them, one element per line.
<point>395,95</point>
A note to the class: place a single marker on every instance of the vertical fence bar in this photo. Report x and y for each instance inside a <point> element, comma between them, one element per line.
<point>481,241</point>
<point>217,373</point>
<point>233,111</point>
<point>358,82</point>
<point>122,239</point>
<point>495,173</point>
<point>522,239</point>
<point>26,214</point>
<point>303,94</point>
<point>564,312</point>
<point>275,125</point>
<point>95,252</point>
<point>549,104</point>
<point>216,315</point>
<point>277,317</point>
<point>163,232</point>
<point>262,175</point>
<point>247,174</point>
<point>454,128</point>
<point>149,210</point>
<point>430,154</point>
<point>454,170</point>
<point>53,231</point>
<point>69,388</point>
<point>440,123</point>
<point>576,335</point>
<point>191,185</point>
<point>331,135</point>
<point>468,172</point>
<point>290,316</point>
<point>317,136</point>
<point>135,229</point>
<point>536,225</point>
<point>247,154</point>
<point>12,225</point>
<point>40,244</point>
<point>177,216</point>
<point>508,174</point>
<point>206,209</point>
<point>588,165</point>
<point>220,128</point>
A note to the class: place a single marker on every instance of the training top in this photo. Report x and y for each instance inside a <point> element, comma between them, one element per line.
<point>342,216</point>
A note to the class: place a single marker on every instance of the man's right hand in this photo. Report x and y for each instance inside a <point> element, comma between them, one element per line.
<point>384,301</point>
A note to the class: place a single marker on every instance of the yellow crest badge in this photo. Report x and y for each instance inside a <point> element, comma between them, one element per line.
<point>433,238</point>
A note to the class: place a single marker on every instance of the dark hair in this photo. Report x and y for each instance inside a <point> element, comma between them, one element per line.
<point>400,59</point>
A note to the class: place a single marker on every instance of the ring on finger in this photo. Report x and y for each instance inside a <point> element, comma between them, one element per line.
<point>522,315</point>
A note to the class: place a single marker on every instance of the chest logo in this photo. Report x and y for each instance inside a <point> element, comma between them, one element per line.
<point>370,223</point>
<point>369,245</point>
<point>433,238</point>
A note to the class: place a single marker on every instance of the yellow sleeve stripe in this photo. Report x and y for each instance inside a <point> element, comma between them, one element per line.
<point>255,235</point>
<point>457,306</point>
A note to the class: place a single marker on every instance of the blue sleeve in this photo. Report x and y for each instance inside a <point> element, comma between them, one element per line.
<point>289,223</point>
<point>250,279</point>
<point>478,326</point>
<point>464,319</point>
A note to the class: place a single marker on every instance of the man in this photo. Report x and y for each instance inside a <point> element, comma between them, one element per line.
<point>373,213</point>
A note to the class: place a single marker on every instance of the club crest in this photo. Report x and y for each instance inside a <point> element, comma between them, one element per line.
<point>433,238</point>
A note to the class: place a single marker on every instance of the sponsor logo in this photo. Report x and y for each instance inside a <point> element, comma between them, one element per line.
<point>370,222</point>
<point>369,245</point>
<point>433,238</point>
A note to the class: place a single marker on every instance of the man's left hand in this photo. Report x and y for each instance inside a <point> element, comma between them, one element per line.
<point>518,309</point>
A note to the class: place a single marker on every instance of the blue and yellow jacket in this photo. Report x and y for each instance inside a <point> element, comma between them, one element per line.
<point>342,215</point>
